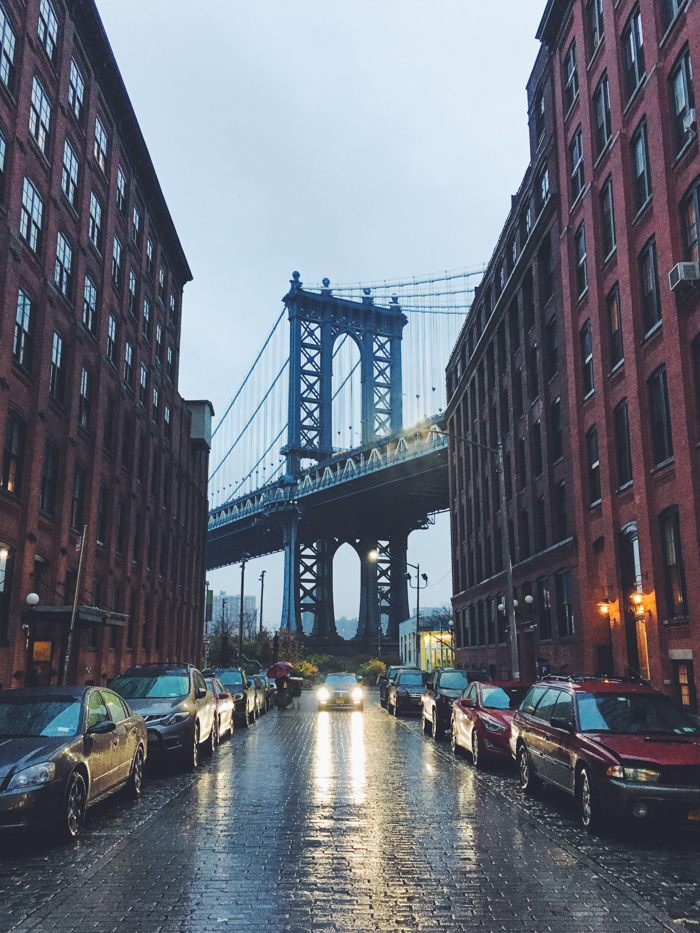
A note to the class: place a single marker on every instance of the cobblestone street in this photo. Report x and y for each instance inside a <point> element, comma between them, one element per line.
<point>345,822</point>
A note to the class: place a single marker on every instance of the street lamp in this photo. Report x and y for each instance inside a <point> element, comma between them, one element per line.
<point>510,602</point>
<point>373,557</point>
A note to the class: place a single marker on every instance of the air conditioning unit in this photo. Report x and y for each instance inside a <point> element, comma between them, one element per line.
<point>684,273</point>
<point>690,121</point>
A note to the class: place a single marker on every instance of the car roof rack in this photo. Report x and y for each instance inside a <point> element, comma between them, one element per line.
<point>609,678</point>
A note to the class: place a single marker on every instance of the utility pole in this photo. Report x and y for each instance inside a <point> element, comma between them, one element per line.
<point>71,630</point>
<point>240,618</point>
<point>262,590</point>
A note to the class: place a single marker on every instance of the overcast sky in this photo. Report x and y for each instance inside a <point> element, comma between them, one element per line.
<point>354,139</point>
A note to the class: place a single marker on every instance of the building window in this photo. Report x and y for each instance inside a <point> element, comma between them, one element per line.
<point>576,164</point>
<point>173,309</point>
<point>615,327</point>
<point>112,339</point>
<point>669,11</point>
<point>85,399</point>
<point>117,263</point>
<point>539,115</point>
<point>25,325</point>
<point>565,604</point>
<point>129,364</point>
<point>161,284</point>
<point>660,418</point>
<point>167,425</point>
<point>518,394</point>
<point>13,454</point>
<point>136,541</point>
<point>544,610</point>
<point>150,256</point>
<point>48,29</point>
<point>120,193</point>
<point>570,77</point>
<point>682,100</point>
<point>560,511</point>
<point>7,51</point>
<point>533,373</point>
<point>101,145</point>
<point>63,275</point>
<point>136,227</point>
<point>524,534</point>
<point>522,464</point>
<point>649,285</point>
<point>31,217</point>
<point>586,359</point>
<point>556,439</point>
<point>594,24</point>
<point>580,259</point>
<point>57,377</point>
<point>121,527</point>
<point>156,405</point>
<point>633,53</point>
<point>77,498</point>
<point>159,343</point>
<point>95,222</point>
<point>76,91</point>
<point>108,432</point>
<point>69,175</point>
<point>593,462</point>
<point>49,480</point>
<point>90,305</point>
<point>3,156</point>
<point>525,226</point>
<point>690,216</point>
<point>147,319</point>
<point>607,219</point>
<point>132,295</point>
<point>622,444</point>
<point>170,364</point>
<point>542,189</point>
<point>537,449</point>
<point>641,174</point>
<point>126,444</point>
<point>674,571</point>
<point>552,348</point>
<point>141,460</point>
<point>143,385</point>
<point>540,525</point>
<point>545,270</point>
<point>101,527</point>
<point>40,116</point>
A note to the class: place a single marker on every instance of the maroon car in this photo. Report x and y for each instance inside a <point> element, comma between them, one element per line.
<point>481,719</point>
<point>620,748</point>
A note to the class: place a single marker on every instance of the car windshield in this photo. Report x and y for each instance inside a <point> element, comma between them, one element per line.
<point>453,680</point>
<point>341,679</point>
<point>413,680</point>
<point>633,714</point>
<point>230,677</point>
<point>151,686</point>
<point>502,697</point>
<point>54,717</point>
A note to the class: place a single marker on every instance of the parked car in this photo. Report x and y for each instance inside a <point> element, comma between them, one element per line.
<point>224,708</point>
<point>443,686</point>
<point>242,689</point>
<point>405,691</point>
<point>270,689</point>
<point>260,695</point>
<point>61,750</point>
<point>481,720</point>
<point>622,749</point>
<point>178,708</point>
<point>341,691</point>
<point>384,680</point>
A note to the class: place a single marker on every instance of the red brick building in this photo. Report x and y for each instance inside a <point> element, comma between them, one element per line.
<point>628,170</point>
<point>95,433</point>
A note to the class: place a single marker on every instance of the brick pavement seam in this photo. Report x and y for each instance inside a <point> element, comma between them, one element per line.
<point>621,886</point>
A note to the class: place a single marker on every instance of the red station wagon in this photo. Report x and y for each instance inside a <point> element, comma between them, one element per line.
<point>621,748</point>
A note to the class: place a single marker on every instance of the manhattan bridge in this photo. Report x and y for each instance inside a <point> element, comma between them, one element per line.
<point>334,437</point>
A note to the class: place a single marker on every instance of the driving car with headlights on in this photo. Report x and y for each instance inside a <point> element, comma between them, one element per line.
<point>61,750</point>
<point>340,691</point>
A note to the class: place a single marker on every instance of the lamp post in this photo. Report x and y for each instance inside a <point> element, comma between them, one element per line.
<point>240,615</point>
<point>373,557</point>
<point>510,597</point>
<point>262,590</point>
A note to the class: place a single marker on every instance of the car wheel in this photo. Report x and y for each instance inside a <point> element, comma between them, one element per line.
<point>397,711</point>
<point>528,780</point>
<point>587,800</point>
<point>457,750</point>
<point>135,783</point>
<point>477,760</point>
<point>384,702</point>
<point>251,717</point>
<point>437,728</point>
<point>73,813</point>
<point>213,739</point>
<point>427,725</point>
<point>192,760</point>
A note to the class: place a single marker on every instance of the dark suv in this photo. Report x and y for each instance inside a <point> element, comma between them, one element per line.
<point>620,748</point>
<point>384,681</point>
<point>177,705</point>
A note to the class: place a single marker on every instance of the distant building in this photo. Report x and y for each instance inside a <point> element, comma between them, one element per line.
<point>95,433</point>
<point>226,610</point>
<point>435,646</point>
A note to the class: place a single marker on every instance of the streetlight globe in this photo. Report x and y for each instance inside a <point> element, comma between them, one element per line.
<point>373,555</point>
<point>516,603</point>
<point>32,599</point>
<point>502,607</point>
<point>529,600</point>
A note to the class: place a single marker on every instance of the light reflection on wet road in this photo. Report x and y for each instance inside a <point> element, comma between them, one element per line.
<point>338,821</point>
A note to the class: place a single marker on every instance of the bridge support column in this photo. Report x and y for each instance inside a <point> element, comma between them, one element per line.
<point>316,586</point>
<point>399,609</point>
<point>369,617</point>
<point>290,604</point>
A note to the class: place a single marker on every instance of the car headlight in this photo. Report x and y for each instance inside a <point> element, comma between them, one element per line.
<point>30,777</point>
<point>357,693</point>
<point>174,718</point>
<point>324,694</point>
<point>616,771</point>
<point>493,726</point>
<point>642,775</point>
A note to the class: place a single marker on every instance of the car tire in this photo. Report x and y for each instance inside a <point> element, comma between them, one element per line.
<point>527,779</point>
<point>587,801</point>
<point>134,785</point>
<point>397,711</point>
<point>72,818</point>
<point>192,760</point>
<point>477,758</point>
<point>384,703</point>
<point>427,725</point>
<point>457,749</point>
<point>213,740</point>
<point>437,729</point>
<point>251,717</point>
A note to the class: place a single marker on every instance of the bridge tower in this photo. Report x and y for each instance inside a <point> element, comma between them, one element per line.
<point>317,320</point>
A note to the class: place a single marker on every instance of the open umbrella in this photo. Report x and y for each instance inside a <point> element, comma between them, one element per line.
<point>280,669</point>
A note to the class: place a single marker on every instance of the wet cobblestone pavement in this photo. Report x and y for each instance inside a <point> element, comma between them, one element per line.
<point>339,822</point>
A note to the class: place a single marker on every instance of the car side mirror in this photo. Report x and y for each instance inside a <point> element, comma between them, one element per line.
<point>224,696</point>
<point>468,704</point>
<point>560,723</point>
<point>200,693</point>
<point>102,728</point>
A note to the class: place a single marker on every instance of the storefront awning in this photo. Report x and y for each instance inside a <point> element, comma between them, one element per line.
<point>84,615</point>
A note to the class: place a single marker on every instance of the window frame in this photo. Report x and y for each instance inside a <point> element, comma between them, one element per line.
<point>570,77</point>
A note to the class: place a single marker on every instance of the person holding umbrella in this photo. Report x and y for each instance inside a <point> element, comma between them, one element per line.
<point>279,672</point>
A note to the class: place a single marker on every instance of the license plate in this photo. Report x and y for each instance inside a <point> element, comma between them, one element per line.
<point>694,815</point>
